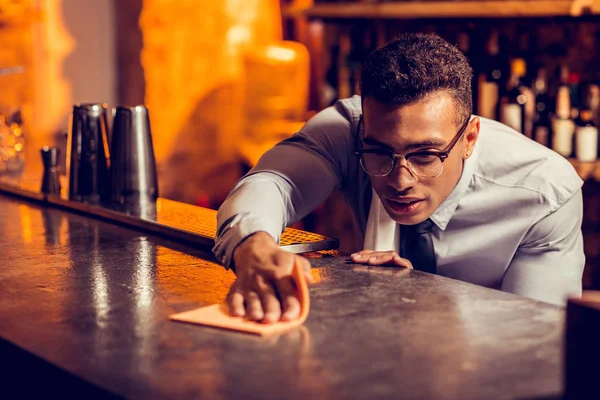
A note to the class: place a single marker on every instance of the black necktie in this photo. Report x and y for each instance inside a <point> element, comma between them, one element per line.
<point>416,245</point>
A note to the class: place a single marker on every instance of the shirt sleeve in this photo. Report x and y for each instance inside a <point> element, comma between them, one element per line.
<point>289,181</point>
<point>548,265</point>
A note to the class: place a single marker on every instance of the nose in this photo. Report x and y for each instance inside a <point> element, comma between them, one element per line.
<point>401,178</point>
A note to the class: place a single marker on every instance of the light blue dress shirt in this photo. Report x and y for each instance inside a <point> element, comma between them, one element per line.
<point>513,221</point>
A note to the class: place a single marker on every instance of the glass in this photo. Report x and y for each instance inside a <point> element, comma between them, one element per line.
<point>424,164</point>
<point>12,142</point>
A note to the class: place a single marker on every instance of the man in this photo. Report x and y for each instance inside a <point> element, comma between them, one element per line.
<point>458,195</point>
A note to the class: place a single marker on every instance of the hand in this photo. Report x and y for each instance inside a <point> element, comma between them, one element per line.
<point>372,257</point>
<point>264,289</point>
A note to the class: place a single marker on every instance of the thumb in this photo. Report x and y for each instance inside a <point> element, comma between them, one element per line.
<point>305,266</point>
<point>402,262</point>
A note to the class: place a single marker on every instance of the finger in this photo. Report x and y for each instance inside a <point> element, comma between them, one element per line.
<point>305,266</point>
<point>254,309</point>
<point>379,257</point>
<point>389,258</point>
<point>235,300</point>
<point>363,257</point>
<point>402,262</point>
<point>270,303</point>
<point>287,293</point>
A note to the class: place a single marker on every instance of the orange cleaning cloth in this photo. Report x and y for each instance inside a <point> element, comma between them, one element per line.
<point>217,315</point>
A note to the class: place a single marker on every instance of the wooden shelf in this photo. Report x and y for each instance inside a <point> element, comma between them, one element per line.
<point>447,9</point>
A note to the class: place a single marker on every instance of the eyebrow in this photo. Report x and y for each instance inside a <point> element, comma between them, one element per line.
<point>413,146</point>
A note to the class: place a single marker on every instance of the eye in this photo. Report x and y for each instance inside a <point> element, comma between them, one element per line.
<point>377,163</point>
<point>424,158</point>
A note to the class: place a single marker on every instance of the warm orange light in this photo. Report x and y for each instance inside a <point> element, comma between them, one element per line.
<point>205,64</point>
<point>190,280</point>
<point>281,53</point>
<point>52,45</point>
<point>193,51</point>
<point>25,220</point>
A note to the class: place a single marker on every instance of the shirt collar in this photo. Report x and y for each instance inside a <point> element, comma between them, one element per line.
<point>441,217</point>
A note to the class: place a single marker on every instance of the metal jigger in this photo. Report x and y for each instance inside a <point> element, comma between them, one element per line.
<point>133,179</point>
<point>88,156</point>
<point>51,177</point>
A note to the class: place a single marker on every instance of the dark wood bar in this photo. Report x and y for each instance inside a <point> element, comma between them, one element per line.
<point>86,303</point>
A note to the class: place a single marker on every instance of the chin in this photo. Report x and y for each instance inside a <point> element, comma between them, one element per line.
<point>402,220</point>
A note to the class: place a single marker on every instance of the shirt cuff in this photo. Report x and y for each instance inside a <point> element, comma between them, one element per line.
<point>234,231</point>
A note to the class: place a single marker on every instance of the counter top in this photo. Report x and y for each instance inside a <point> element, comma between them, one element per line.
<point>90,300</point>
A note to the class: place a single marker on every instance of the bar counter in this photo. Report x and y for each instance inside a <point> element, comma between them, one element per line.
<point>84,308</point>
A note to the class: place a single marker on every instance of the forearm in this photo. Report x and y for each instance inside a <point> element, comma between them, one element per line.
<point>288,182</point>
<point>257,203</point>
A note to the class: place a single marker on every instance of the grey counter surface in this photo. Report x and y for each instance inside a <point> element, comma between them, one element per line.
<point>93,299</point>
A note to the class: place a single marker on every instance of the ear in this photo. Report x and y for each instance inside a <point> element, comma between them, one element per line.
<point>470,137</point>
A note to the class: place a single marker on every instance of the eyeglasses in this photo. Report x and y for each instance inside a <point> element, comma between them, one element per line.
<point>424,164</point>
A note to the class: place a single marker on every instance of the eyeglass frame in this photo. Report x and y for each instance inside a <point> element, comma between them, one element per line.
<point>442,155</point>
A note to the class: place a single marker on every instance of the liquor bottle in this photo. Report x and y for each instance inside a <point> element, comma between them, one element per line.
<point>586,137</point>
<point>466,45</point>
<point>592,99</point>
<point>574,94</point>
<point>329,94</point>
<point>463,42</point>
<point>511,109</point>
<point>491,77</point>
<point>541,122</point>
<point>525,47</point>
<point>344,74</point>
<point>562,124</point>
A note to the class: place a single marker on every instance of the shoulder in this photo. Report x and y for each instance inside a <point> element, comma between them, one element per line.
<point>332,130</point>
<point>509,159</point>
<point>331,135</point>
<point>341,117</point>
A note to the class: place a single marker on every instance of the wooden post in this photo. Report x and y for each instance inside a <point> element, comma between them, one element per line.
<point>582,347</point>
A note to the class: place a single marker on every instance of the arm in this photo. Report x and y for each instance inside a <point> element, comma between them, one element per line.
<point>548,265</point>
<point>288,182</point>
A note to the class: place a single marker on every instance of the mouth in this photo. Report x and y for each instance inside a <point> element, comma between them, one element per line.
<point>405,206</point>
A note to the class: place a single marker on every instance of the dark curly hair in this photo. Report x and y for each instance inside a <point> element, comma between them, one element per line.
<point>415,65</point>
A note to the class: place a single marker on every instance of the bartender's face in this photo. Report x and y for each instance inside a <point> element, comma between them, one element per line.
<point>428,125</point>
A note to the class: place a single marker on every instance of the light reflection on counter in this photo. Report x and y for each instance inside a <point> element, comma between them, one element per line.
<point>143,280</point>
<point>143,297</point>
<point>99,290</point>
<point>25,221</point>
<point>189,279</point>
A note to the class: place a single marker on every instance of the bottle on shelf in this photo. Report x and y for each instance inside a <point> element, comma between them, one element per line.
<point>574,94</point>
<point>586,130</point>
<point>329,93</point>
<point>344,74</point>
<point>491,77</point>
<point>562,124</point>
<point>592,99</point>
<point>362,43</point>
<point>465,44</point>
<point>586,136</point>
<point>526,47</point>
<point>541,121</point>
<point>512,106</point>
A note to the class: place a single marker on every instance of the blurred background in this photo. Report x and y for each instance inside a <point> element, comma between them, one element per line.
<point>227,79</point>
